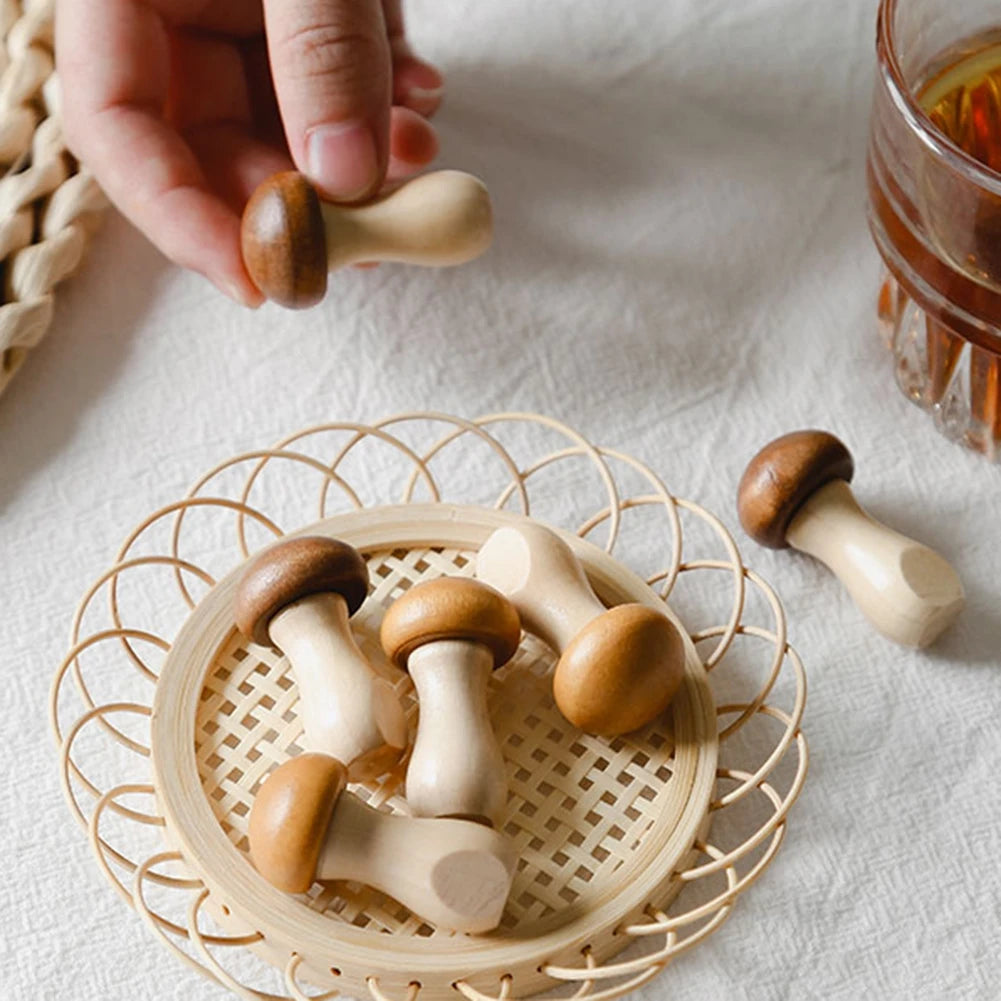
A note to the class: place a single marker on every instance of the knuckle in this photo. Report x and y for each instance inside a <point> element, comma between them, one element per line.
<point>350,57</point>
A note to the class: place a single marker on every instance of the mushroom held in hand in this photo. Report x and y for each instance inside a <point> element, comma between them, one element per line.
<point>305,828</point>
<point>291,238</point>
<point>450,634</point>
<point>619,667</point>
<point>298,595</point>
<point>795,492</point>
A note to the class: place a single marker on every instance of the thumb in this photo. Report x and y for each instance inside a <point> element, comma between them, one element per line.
<point>331,65</point>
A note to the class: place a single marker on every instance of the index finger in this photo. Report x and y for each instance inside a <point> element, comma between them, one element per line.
<point>114,64</point>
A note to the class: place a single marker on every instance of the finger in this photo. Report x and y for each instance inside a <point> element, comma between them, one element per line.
<point>211,108</point>
<point>413,144</point>
<point>261,93</point>
<point>224,16</point>
<point>416,84</point>
<point>114,64</point>
<point>331,65</point>
<point>207,81</point>
<point>234,161</point>
<point>154,178</point>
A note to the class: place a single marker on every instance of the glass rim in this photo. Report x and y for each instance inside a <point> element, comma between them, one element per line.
<point>914,114</point>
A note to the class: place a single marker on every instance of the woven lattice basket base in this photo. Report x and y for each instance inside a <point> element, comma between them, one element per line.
<point>631,850</point>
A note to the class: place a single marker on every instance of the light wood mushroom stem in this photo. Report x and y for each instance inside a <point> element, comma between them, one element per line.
<point>453,873</point>
<point>906,590</point>
<point>456,767</point>
<point>347,710</point>
<point>436,220</point>
<point>543,578</point>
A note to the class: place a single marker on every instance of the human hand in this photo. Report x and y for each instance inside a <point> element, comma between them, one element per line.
<point>182,107</point>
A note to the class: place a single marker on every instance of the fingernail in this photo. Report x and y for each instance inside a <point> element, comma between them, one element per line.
<point>342,160</point>
<point>425,94</point>
<point>420,74</point>
<point>422,86</point>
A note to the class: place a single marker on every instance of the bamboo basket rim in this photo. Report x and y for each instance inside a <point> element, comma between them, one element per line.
<point>199,838</point>
<point>591,968</point>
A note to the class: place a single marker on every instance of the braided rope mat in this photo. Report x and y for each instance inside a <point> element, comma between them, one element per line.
<point>49,205</point>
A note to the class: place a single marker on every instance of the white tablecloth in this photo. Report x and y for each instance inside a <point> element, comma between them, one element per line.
<point>681,270</point>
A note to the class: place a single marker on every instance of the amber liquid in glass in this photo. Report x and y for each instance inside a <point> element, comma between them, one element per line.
<point>964,102</point>
<point>962,97</point>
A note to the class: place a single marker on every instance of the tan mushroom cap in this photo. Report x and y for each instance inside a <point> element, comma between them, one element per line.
<point>451,608</point>
<point>783,476</point>
<point>294,569</point>
<point>620,671</point>
<point>284,241</point>
<point>290,817</point>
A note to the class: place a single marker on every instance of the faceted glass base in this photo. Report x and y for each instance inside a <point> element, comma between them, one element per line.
<point>958,383</point>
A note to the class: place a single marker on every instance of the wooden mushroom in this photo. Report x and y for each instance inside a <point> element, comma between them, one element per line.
<point>304,827</point>
<point>795,492</point>
<point>291,238</point>
<point>298,596</point>
<point>450,634</point>
<point>619,667</point>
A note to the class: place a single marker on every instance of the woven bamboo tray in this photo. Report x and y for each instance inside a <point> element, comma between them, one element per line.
<point>631,850</point>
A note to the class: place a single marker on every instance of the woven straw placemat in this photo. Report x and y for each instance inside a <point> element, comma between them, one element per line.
<point>49,205</point>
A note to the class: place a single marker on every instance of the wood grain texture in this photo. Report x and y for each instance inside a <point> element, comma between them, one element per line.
<point>291,239</point>
<point>457,767</point>
<point>292,570</point>
<point>795,492</point>
<point>619,668</point>
<point>453,873</point>
<point>620,672</point>
<point>298,596</point>
<point>907,591</point>
<point>782,476</point>
<point>437,220</point>
<point>283,241</point>
<point>450,633</point>
<point>541,575</point>
<point>451,608</point>
<point>303,828</point>
<point>348,711</point>
<point>289,819</point>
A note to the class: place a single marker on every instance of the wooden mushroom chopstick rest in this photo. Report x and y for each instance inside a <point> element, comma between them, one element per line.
<point>291,238</point>
<point>298,596</point>
<point>795,492</point>
<point>304,827</point>
<point>620,667</point>
<point>450,634</point>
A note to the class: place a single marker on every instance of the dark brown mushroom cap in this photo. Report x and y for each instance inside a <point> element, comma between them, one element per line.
<point>289,819</point>
<point>284,241</point>
<point>451,608</point>
<point>620,671</point>
<point>294,569</point>
<point>782,476</point>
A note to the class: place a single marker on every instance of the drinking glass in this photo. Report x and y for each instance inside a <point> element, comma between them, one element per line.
<point>935,208</point>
